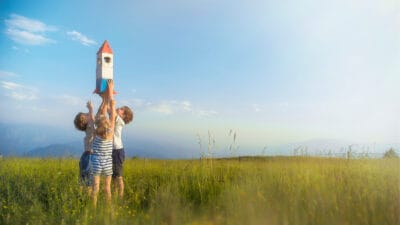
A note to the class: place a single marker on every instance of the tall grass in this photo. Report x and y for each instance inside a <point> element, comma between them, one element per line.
<point>268,190</point>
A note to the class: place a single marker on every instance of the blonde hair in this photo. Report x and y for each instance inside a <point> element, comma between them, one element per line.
<point>102,126</point>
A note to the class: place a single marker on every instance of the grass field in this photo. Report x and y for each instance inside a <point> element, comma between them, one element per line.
<point>270,190</point>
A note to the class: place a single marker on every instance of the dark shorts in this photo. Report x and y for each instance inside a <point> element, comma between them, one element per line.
<point>118,157</point>
<point>85,170</point>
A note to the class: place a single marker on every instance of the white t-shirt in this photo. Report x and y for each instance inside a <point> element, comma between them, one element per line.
<point>119,124</point>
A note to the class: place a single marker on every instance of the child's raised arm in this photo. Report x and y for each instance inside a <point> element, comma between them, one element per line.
<point>89,105</point>
<point>110,89</point>
<point>110,94</point>
<point>106,97</point>
<point>112,112</point>
<point>104,105</point>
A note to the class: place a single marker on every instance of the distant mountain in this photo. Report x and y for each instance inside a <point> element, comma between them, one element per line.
<point>46,141</point>
<point>336,147</point>
<point>56,150</point>
<point>29,140</point>
<point>148,148</point>
<point>17,139</point>
<point>139,148</point>
<point>153,148</point>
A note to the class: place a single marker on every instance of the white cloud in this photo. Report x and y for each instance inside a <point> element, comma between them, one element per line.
<point>168,107</point>
<point>18,91</point>
<point>163,108</point>
<point>28,31</point>
<point>27,38</point>
<point>205,113</point>
<point>171,107</point>
<point>10,85</point>
<point>284,105</point>
<point>256,108</point>
<point>71,100</point>
<point>7,74</point>
<point>31,108</point>
<point>76,36</point>
<point>186,106</point>
<point>22,96</point>
<point>174,107</point>
<point>30,25</point>
<point>136,102</point>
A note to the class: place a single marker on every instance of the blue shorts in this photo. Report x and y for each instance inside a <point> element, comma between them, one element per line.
<point>85,170</point>
<point>118,157</point>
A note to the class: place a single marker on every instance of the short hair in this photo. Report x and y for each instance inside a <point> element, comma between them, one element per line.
<point>102,126</point>
<point>128,114</point>
<point>80,121</point>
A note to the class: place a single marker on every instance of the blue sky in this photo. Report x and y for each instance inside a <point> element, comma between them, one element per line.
<point>273,71</point>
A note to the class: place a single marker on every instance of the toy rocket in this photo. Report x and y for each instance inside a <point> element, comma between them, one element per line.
<point>104,67</point>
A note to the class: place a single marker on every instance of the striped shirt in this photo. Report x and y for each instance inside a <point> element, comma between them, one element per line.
<point>102,156</point>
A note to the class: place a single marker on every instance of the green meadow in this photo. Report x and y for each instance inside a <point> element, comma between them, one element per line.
<point>253,190</point>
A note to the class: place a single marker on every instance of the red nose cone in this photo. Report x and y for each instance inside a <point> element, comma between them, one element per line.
<point>105,48</point>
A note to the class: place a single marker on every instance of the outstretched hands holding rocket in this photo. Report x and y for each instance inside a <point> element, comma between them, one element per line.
<point>106,97</point>
<point>110,89</point>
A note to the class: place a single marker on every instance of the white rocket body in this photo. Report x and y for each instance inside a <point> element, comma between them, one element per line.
<point>104,67</point>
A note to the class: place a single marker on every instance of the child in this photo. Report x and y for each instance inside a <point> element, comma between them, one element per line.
<point>124,116</point>
<point>85,122</point>
<point>102,144</point>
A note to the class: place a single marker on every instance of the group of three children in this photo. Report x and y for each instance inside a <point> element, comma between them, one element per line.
<point>103,149</point>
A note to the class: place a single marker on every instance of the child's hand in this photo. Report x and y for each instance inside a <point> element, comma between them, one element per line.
<point>110,84</point>
<point>89,105</point>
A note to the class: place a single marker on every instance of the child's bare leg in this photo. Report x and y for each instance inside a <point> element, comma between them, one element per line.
<point>95,191</point>
<point>89,190</point>
<point>120,186</point>
<point>107,188</point>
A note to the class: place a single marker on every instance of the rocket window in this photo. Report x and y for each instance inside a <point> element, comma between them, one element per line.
<point>107,59</point>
